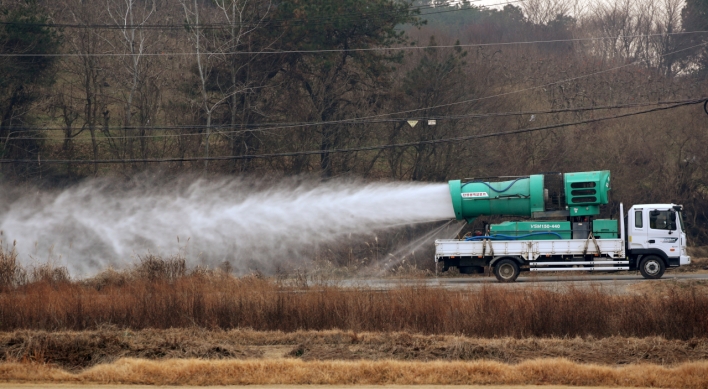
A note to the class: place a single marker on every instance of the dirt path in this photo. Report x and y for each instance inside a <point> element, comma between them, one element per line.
<point>613,283</point>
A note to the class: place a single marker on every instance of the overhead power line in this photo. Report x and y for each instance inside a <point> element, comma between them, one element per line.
<point>280,126</point>
<point>531,88</point>
<point>320,51</point>
<point>407,112</point>
<point>348,150</point>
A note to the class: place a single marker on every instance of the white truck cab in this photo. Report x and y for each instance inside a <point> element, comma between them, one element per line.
<point>656,231</point>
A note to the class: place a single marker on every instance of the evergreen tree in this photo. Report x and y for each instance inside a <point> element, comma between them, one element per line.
<point>334,82</point>
<point>22,75</point>
<point>695,18</point>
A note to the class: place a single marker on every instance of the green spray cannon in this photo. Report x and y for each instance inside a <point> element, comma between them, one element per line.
<point>536,196</point>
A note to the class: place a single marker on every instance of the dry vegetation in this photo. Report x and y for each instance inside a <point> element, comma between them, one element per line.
<point>284,371</point>
<point>161,293</point>
<point>662,288</point>
<point>162,323</point>
<point>77,350</point>
<point>699,260</point>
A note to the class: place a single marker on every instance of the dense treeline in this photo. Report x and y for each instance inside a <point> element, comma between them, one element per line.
<point>137,80</point>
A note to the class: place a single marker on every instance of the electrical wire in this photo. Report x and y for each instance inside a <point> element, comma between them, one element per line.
<point>361,119</point>
<point>533,87</point>
<point>278,126</point>
<point>497,95</point>
<point>324,51</point>
<point>346,150</point>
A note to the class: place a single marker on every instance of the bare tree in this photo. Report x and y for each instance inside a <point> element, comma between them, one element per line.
<point>243,17</point>
<point>135,70</point>
<point>211,50</point>
<point>619,23</point>
<point>62,107</point>
<point>85,69</point>
<point>204,64</point>
<point>666,45</point>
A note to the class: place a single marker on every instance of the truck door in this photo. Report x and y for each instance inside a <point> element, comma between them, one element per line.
<point>637,229</point>
<point>662,232</point>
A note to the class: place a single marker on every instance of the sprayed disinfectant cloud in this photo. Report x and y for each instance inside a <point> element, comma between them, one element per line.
<point>101,223</point>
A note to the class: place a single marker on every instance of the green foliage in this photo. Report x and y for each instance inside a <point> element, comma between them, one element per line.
<point>694,17</point>
<point>432,87</point>
<point>337,83</point>
<point>346,24</point>
<point>22,76</point>
<point>456,18</point>
<point>435,72</point>
<point>23,33</point>
<point>330,24</point>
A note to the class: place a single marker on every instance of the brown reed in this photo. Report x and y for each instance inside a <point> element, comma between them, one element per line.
<point>214,299</point>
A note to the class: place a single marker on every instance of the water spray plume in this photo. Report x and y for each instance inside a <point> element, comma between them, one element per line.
<point>101,223</point>
<point>408,250</point>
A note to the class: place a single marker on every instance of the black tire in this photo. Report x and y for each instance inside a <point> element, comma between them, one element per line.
<point>652,267</point>
<point>506,270</point>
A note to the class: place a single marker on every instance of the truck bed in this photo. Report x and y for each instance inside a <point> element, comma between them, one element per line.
<point>530,250</point>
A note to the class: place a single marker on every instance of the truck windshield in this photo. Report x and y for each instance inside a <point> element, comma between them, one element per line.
<point>680,217</point>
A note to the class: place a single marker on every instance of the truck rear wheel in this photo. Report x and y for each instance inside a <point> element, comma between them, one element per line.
<point>652,267</point>
<point>506,270</point>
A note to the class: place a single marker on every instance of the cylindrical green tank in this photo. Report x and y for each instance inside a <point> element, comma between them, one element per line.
<point>576,194</point>
<point>518,197</point>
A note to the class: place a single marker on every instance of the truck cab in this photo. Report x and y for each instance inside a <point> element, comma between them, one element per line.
<point>656,238</point>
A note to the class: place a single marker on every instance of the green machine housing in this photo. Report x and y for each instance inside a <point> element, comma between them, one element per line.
<point>533,230</point>
<point>574,197</point>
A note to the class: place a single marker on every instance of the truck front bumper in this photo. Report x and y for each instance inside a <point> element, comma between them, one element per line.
<point>685,260</point>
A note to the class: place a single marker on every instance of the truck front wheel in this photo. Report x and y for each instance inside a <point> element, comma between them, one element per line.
<point>506,270</point>
<point>652,267</point>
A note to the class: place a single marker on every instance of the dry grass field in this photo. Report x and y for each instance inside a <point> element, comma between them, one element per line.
<point>295,372</point>
<point>78,350</point>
